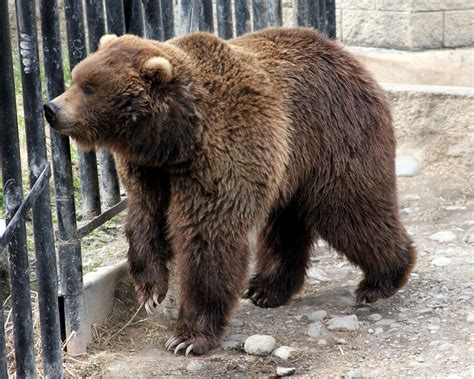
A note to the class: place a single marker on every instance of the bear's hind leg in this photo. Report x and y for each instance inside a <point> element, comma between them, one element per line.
<point>370,235</point>
<point>283,251</point>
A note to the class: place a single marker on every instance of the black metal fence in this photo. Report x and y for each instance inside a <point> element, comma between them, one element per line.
<point>60,291</point>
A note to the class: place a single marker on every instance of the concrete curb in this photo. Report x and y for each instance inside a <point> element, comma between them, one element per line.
<point>99,295</point>
<point>446,67</point>
<point>435,124</point>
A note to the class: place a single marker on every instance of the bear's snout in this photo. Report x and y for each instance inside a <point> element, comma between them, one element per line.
<point>50,112</point>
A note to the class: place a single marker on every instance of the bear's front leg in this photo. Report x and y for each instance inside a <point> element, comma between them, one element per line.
<point>212,271</point>
<point>148,254</point>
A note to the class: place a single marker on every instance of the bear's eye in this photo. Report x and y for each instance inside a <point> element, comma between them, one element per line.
<point>88,90</point>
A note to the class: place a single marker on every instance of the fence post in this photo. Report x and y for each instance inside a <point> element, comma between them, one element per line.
<point>13,196</point>
<point>260,14</point>
<point>134,17</point>
<point>206,17</point>
<point>327,17</point>
<point>3,350</point>
<point>69,246</point>
<point>90,197</point>
<point>242,17</point>
<point>70,259</point>
<point>37,160</point>
<point>224,18</point>
<point>188,16</point>
<point>109,183</point>
<point>275,16</point>
<point>301,12</point>
<point>153,19</point>
<point>115,17</point>
<point>313,13</point>
<point>167,12</point>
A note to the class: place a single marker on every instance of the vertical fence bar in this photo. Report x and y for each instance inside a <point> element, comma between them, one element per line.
<point>46,275</point>
<point>260,14</point>
<point>70,260</point>
<point>13,196</point>
<point>90,198</point>
<point>3,349</point>
<point>167,12</point>
<point>115,17</point>
<point>224,18</point>
<point>188,17</point>
<point>242,17</point>
<point>313,13</point>
<point>300,12</point>
<point>327,17</point>
<point>68,244</point>
<point>134,17</point>
<point>275,15</point>
<point>109,183</point>
<point>153,19</point>
<point>206,17</point>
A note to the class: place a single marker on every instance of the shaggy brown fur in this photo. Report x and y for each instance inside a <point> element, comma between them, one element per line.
<point>280,128</point>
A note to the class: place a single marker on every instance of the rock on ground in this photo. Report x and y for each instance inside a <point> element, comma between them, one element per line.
<point>285,371</point>
<point>195,366</point>
<point>344,323</point>
<point>317,315</point>
<point>284,352</point>
<point>314,329</point>
<point>259,344</point>
<point>444,236</point>
<point>406,165</point>
<point>441,261</point>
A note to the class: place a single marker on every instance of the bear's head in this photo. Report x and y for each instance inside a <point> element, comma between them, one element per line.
<point>129,97</point>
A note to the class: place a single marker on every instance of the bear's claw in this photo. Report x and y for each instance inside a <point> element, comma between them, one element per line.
<point>261,298</point>
<point>151,305</point>
<point>195,345</point>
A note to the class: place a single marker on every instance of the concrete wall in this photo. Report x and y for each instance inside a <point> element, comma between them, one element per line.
<point>406,24</point>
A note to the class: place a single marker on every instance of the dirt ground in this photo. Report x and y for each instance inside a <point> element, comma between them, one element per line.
<point>425,330</point>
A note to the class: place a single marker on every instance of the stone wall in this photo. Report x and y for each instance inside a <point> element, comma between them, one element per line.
<point>406,24</point>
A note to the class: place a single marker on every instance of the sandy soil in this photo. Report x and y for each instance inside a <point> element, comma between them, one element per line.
<point>426,330</point>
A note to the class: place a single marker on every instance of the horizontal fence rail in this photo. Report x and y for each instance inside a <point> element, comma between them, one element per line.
<point>60,294</point>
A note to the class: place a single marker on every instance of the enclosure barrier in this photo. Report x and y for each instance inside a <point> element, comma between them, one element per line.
<point>60,301</point>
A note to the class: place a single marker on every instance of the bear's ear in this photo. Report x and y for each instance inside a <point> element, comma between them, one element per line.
<point>158,69</point>
<point>105,40</point>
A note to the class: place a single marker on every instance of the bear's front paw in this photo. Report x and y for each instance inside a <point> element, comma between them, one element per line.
<point>188,344</point>
<point>151,289</point>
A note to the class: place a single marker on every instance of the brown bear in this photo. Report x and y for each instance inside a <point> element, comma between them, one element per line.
<point>281,129</point>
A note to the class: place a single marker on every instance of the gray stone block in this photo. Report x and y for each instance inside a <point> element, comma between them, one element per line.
<point>393,5</point>
<point>435,5</point>
<point>425,30</point>
<point>358,4</point>
<point>459,28</point>
<point>376,28</point>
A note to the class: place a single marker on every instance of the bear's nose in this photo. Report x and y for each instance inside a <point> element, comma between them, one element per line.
<point>50,112</point>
